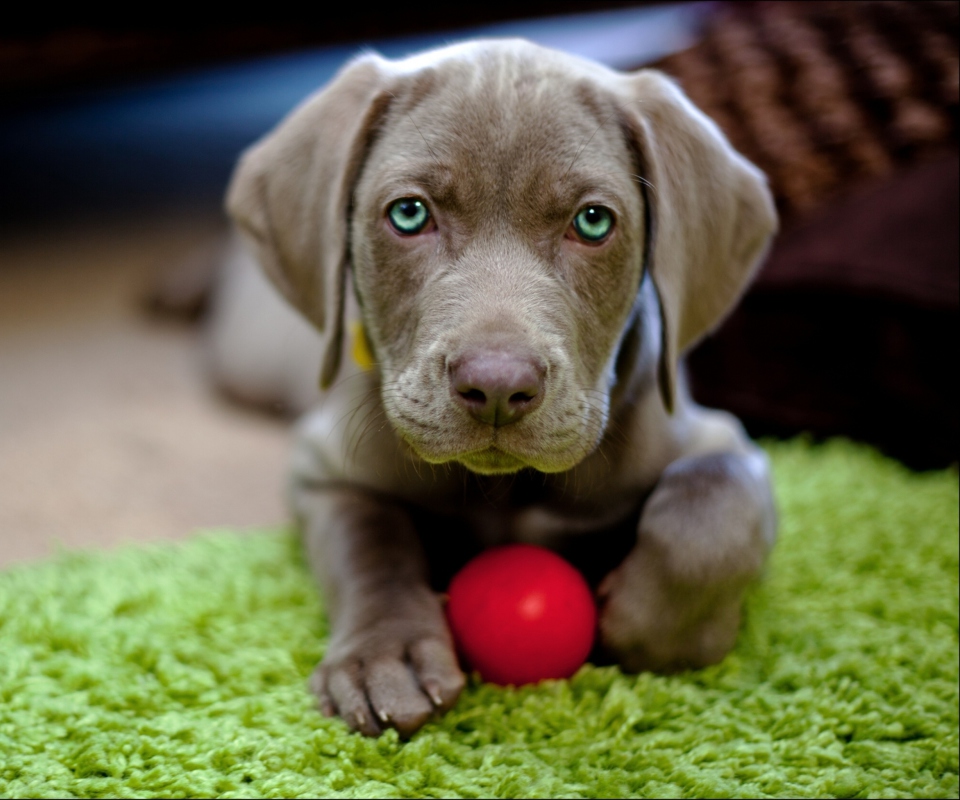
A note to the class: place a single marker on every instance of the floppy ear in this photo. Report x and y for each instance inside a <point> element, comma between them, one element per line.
<point>290,195</point>
<point>712,215</point>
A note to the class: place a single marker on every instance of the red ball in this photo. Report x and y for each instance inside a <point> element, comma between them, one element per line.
<point>520,614</point>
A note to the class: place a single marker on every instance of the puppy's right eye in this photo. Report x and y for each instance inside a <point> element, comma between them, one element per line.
<point>408,216</point>
<point>593,223</point>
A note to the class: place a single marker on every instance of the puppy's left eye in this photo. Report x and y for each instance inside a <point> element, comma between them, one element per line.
<point>593,223</point>
<point>408,216</point>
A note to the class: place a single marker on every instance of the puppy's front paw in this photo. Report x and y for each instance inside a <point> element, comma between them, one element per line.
<point>388,675</point>
<point>650,622</point>
<point>674,603</point>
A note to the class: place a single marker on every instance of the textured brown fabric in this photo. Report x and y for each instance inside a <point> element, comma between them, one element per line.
<point>851,327</point>
<point>825,95</point>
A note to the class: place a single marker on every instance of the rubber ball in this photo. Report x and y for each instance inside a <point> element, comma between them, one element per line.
<point>521,614</point>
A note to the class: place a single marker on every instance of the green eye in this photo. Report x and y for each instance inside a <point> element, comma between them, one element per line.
<point>408,216</point>
<point>593,223</point>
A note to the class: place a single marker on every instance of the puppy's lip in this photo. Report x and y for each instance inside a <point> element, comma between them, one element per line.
<point>486,459</point>
<point>486,450</point>
<point>491,461</point>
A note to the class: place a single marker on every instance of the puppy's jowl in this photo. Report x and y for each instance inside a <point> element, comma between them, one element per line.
<point>530,242</point>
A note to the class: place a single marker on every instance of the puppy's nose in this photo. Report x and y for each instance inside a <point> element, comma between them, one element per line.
<point>497,387</point>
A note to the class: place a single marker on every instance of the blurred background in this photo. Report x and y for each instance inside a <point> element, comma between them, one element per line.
<point>116,143</point>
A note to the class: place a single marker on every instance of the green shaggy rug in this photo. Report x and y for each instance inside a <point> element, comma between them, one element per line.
<point>180,670</point>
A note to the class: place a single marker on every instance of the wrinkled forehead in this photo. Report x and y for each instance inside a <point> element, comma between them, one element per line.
<point>496,125</point>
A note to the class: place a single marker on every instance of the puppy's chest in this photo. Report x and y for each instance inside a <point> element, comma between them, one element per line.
<point>538,512</point>
<point>595,538</point>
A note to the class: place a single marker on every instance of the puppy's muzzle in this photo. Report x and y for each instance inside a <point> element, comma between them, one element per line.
<point>497,386</point>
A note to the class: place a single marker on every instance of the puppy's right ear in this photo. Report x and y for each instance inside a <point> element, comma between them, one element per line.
<point>711,211</point>
<point>290,195</point>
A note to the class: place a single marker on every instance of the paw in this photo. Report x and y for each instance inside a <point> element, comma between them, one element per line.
<point>650,622</point>
<point>674,603</point>
<point>383,678</point>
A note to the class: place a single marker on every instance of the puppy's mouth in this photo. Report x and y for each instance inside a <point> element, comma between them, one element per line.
<point>554,437</point>
<point>491,461</point>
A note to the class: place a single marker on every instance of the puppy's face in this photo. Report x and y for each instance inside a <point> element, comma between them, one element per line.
<point>497,241</point>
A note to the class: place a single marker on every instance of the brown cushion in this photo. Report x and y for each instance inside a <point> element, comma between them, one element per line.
<point>852,325</point>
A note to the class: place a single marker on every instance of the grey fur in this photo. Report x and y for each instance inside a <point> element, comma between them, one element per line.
<point>505,141</point>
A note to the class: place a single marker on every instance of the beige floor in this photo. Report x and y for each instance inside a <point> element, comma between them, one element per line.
<point>108,432</point>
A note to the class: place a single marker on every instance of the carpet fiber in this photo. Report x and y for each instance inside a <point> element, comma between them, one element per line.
<point>180,670</point>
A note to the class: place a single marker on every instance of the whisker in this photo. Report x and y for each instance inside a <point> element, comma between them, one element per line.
<point>583,147</point>
<point>645,182</point>
<point>412,122</point>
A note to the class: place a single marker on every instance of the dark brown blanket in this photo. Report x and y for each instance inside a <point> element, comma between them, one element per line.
<point>851,327</point>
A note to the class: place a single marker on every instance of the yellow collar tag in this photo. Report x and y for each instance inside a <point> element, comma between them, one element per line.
<point>361,347</point>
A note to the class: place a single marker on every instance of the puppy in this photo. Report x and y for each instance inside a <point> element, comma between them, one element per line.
<point>526,243</point>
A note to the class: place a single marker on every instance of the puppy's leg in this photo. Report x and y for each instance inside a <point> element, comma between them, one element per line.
<point>390,660</point>
<point>703,535</point>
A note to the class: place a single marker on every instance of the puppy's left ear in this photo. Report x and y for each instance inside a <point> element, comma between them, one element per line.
<point>291,192</point>
<point>712,214</point>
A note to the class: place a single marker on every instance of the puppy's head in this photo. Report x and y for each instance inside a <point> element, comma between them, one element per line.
<point>498,203</point>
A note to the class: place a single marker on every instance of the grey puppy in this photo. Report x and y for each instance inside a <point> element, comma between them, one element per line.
<point>530,242</point>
